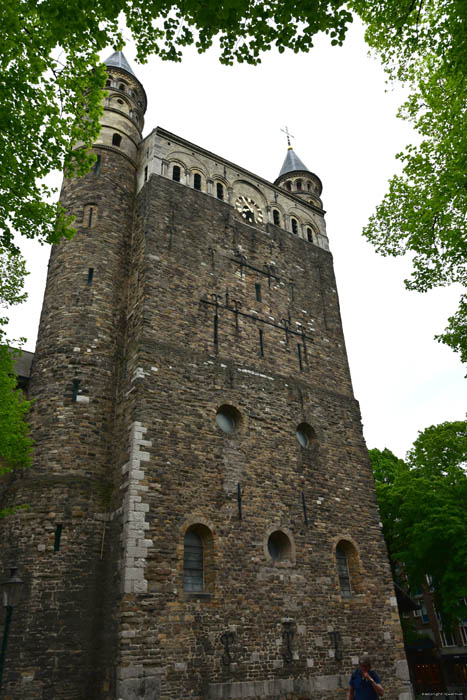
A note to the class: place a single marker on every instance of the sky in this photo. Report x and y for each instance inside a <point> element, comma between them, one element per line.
<point>335,102</point>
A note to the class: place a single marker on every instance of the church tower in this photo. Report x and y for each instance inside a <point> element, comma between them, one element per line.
<point>203,522</point>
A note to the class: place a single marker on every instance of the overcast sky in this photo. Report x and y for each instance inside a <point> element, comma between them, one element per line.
<point>335,103</point>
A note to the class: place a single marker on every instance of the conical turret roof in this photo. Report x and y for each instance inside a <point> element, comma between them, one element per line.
<point>118,60</point>
<point>292,163</point>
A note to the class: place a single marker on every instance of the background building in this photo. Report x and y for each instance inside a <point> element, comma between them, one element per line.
<point>437,657</point>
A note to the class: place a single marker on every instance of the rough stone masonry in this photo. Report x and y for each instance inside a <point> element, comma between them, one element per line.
<point>202,519</point>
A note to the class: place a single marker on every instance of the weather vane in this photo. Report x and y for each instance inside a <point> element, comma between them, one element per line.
<point>289,136</point>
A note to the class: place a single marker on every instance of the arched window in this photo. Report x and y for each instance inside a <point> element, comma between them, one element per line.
<point>193,562</point>
<point>121,87</point>
<point>308,186</point>
<point>309,234</point>
<point>176,173</point>
<point>197,181</point>
<point>220,191</point>
<point>288,185</point>
<point>294,225</point>
<point>107,83</point>
<point>276,217</point>
<point>343,571</point>
<point>116,140</point>
<point>198,560</point>
<point>299,185</point>
<point>279,546</point>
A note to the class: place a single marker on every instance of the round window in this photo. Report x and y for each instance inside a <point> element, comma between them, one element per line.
<point>279,546</point>
<point>227,418</point>
<point>305,434</point>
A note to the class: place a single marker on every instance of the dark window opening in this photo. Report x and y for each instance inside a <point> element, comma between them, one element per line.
<point>90,275</point>
<point>258,291</point>
<point>261,343</point>
<point>294,225</point>
<point>121,87</point>
<point>309,234</point>
<point>58,534</point>
<point>107,83</point>
<point>145,173</point>
<point>308,186</point>
<point>75,390</point>
<point>97,166</point>
<point>197,181</point>
<point>176,173</point>
<point>276,217</point>
<point>343,572</point>
<point>299,353</point>
<point>279,546</point>
<point>90,217</point>
<point>220,191</point>
<point>116,140</point>
<point>299,185</point>
<point>193,562</point>
<point>288,185</point>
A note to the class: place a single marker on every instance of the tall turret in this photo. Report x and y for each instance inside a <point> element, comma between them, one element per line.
<point>77,365</point>
<point>295,177</point>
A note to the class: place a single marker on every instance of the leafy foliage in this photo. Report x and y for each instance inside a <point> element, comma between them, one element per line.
<point>422,503</point>
<point>423,44</point>
<point>15,444</point>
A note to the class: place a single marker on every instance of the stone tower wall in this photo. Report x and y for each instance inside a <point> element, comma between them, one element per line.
<point>154,317</point>
<point>77,364</point>
<point>260,628</point>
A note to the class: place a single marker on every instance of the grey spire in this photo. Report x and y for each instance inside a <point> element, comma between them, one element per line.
<point>292,163</point>
<point>118,60</point>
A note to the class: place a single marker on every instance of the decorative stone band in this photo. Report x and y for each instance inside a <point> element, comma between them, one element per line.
<point>135,545</point>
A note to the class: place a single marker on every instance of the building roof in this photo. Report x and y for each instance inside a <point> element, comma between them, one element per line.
<point>118,60</point>
<point>292,163</point>
<point>22,363</point>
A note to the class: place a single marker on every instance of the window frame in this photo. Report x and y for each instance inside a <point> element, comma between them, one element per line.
<point>343,572</point>
<point>193,582</point>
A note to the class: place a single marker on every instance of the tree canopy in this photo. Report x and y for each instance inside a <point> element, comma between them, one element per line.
<point>422,504</point>
<point>15,444</point>
<point>423,43</point>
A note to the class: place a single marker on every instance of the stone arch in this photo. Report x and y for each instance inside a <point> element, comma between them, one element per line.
<point>344,545</point>
<point>176,162</point>
<point>121,103</point>
<point>309,229</point>
<point>204,531</point>
<point>284,540</point>
<point>217,177</point>
<point>198,175</point>
<point>247,188</point>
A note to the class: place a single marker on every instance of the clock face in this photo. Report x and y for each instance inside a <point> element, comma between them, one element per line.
<point>249,210</point>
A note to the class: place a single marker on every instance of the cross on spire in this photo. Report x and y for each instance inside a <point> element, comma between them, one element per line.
<point>289,136</point>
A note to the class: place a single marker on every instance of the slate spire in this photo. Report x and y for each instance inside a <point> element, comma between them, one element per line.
<point>292,163</point>
<point>118,60</point>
